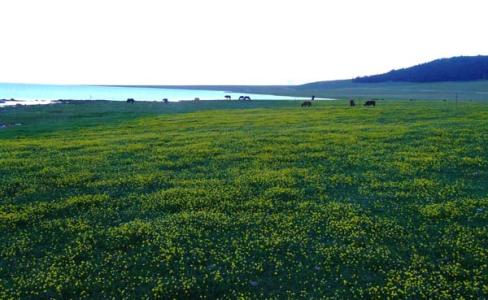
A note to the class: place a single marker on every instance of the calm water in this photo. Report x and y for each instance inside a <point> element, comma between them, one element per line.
<point>84,92</point>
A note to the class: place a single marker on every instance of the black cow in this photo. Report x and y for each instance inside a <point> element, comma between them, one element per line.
<point>370,103</point>
<point>131,100</point>
<point>307,103</point>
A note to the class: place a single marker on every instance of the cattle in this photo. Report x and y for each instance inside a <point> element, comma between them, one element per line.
<point>165,100</point>
<point>131,100</point>
<point>306,103</point>
<point>352,103</point>
<point>370,103</point>
<point>245,98</point>
<point>228,97</point>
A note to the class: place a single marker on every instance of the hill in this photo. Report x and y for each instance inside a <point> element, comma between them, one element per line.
<point>340,89</point>
<point>463,90</point>
<point>461,68</point>
<point>463,78</point>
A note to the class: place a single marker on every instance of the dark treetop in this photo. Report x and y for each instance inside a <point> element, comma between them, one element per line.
<point>461,68</point>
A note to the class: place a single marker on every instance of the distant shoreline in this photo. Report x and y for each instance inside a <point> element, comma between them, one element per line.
<point>342,89</point>
<point>121,93</point>
<point>345,89</point>
<point>16,103</point>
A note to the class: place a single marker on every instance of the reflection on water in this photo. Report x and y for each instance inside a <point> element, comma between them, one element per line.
<point>4,102</point>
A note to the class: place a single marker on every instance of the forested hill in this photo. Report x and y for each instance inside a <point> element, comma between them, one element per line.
<point>461,68</point>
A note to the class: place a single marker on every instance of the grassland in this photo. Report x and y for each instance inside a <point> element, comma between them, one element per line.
<point>345,89</point>
<point>253,200</point>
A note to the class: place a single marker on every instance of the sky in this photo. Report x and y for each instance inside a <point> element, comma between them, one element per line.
<point>195,42</point>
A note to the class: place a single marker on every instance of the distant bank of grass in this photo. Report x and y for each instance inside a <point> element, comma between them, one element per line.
<point>244,199</point>
<point>343,89</point>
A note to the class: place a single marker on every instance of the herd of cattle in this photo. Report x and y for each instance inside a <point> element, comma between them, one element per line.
<point>306,103</point>
<point>227,97</point>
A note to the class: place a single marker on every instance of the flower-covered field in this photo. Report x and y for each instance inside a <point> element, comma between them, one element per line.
<point>254,200</point>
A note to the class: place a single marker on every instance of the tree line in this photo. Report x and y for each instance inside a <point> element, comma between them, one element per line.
<point>461,68</point>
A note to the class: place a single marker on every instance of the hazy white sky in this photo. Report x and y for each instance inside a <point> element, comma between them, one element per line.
<point>229,41</point>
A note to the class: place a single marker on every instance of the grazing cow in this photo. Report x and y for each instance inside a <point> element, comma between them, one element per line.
<point>352,103</point>
<point>307,103</point>
<point>370,103</point>
<point>247,98</point>
<point>165,100</point>
<point>131,100</point>
<point>227,97</point>
<point>196,99</point>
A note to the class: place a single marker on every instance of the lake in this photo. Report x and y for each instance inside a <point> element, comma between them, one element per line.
<point>41,94</point>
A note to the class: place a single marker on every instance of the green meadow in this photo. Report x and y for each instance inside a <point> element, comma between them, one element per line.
<point>259,199</point>
<point>341,89</point>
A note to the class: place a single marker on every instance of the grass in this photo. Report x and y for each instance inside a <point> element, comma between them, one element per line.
<point>252,200</point>
<point>345,89</point>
